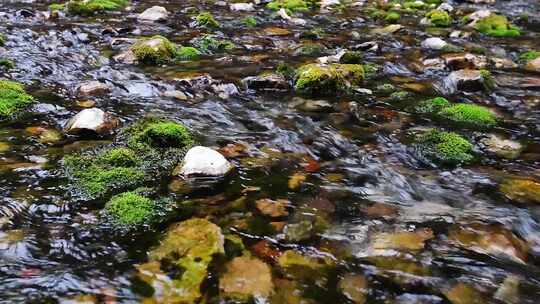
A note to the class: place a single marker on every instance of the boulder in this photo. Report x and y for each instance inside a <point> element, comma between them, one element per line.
<point>203,161</point>
<point>93,120</point>
<point>154,14</point>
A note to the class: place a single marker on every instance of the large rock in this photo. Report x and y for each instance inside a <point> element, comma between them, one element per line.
<point>203,161</point>
<point>93,120</point>
<point>266,82</point>
<point>458,61</point>
<point>92,88</point>
<point>153,14</point>
<point>246,277</point>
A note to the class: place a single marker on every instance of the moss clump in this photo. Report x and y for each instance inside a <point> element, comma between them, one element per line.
<point>529,55</point>
<point>57,7</point>
<point>120,157</point>
<point>290,6</point>
<point>370,70</point>
<point>159,134</point>
<point>392,17</point>
<point>327,79</point>
<point>414,5</point>
<point>446,148</point>
<point>431,106</point>
<point>154,50</point>
<point>250,21</point>
<point>469,116</point>
<point>131,209</point>
<point>439,18</point>
<point>206,19</point>
<point>7,63</point>
<point>13,98</point>
<point>87,7</point>
<point>188,53</point>
<point>351,57</point>
<point>211,44</point>
<point>497,26</point>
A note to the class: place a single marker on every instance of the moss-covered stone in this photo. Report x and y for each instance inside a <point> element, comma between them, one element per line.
<point>7,64</point>
<point>250,21</point>
<point>290,6</point>
<point>327,79</point>
<point>431,106</point>
<point>528,56</point>
<point>497,26</point>
<point>210,44</point>
<point>154,50</point>
<point>206,19</point>
<point>13,99</point>
<point>392,17</point>
<point>351,57</point>
<point>446,148</point>
<point>309,49</point>
<point>120,157</point>
<point>439,18</point>
<point>469,116</point>
<point>87,7</point>
<point>131,209</point>
<point>57,7</point>
<point>414,5</point>
<point>159,134</point>
<point>187,53</point>
<point>189,247</point>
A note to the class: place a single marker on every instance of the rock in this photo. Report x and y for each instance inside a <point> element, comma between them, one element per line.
<point>311,105</point>
<point>392,28</point>
<point>93,119</point>
<point>127,57</point>
<point>246,7</point>
<point>402,240</point>
<point>509,292</point>
<point>297,232</point>
<point>225,90</point>
<point>463,80</point>
<point>327,78</point>
<point>533,65</point>
<point>203,161</point>
<point>328,3</point>
<point>154,14</point>
<point>296,265</point>
<point>445,7</point>
<point>501,147</point>
<point>520,190</point>
<point>434,43</point>
<point>354,287</point>
<point>246,277</point>
<point>92,88</point>
<point>176,94</point>
<point>273,208</point>
<point>266,82</point>
<point>502,63</point>
<point>50,137</point>
<point>464,294</point>
<point>473,18</point>
<point>458,61</point>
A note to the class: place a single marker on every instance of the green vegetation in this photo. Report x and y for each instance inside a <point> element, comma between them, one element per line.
<point>327,79</point>
<point>7,63</point>
<point>211,44</point>
<point>2,40</point>
<point>154,50</point>
<point>206,19</point>
<point>290,6</point>
<point>497,26</point>
<point>285,70</point>
<point>351,57</point>
<point>130,208</point>
<point>57,7</point>
<point>439,18</point>
<point>187,53</point>
<point>13,98</point>
<point>88,7</point>
<point>392,17</point>
<point>120,157</point>
<point>159,134</point>
<point>446,148</point>
<point>250,21</point>
<point>432,106</point>
<point>529,55</point>
<point>469,116</point>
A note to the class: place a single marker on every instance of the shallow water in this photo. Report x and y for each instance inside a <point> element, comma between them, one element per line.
<point>54,248</point>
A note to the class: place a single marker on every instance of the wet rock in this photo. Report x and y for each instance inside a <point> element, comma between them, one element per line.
<point>521,190</point>
<point>176,94</point>
<point>203,161</point>
<point>473,18</point>
<point>508,292</point>
<point>94,120</point>
<point>354,287</point>
<point>392,28</point>
<point>266,82</point>
<point>50,137</point>
<point>297,265</point>
<point>225,90</point>
<point>127,57</point>
<point>502,63</point>
<point>246,7</point>
<point>402,240</point>
<point>273,208</point>
<point>458,61</point>
<point>434,43</point>
<point>153,50</point>
<point>92,88</point>
<point>379,210</point>
<point>533,65</point>
<point>246,277</point>
<point>463,80</point>
<point>501,147</point>
<point>297,232</point>
<point>464,294</point>
<point>154,14</point>
<point>311,105</point>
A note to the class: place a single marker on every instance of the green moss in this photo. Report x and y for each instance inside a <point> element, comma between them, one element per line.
<point>469,115</point>
<point>206,19</point>
<point>211,44</point>
<point>431,106</point>
<point>414,5</point>
<point>497,26</point>
<point>487,79</point>
<point>250,21</point>
<point>285,70</point>
<point>370,70</point>
<point>160,134</point>
<point>446,148</point>
<point>392,17</point>
<point>188,53</point>
<point>13,98</point>
<point>351,57</point>
<point>328,79</point>
<point>7,63</point>
<point>120,157</point>
<point>290,6</point>
<point>2,40</point>
<point>57,7</point>
<point>400,95</point>
<point>385,89</point>
<point>529,55</point>
<point>439,18</point>
<point>309,49</point>
<point>130,208</point>
<point>87,7</point>
<point>154,50</point>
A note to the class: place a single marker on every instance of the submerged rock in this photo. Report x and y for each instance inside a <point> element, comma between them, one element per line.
<point>93,120</point>
<point>354,287</point>
<point>203,161</point>
<point>153,14</point>
<point>245,278</point>
<point>521,190</point>
<point>402,240</point>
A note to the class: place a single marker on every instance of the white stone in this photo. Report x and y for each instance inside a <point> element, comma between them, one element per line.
<point>92,119</point>
<point>246,7</point>
<point>204,161</point>
<point>92,88</point>
<point>155,13</point>
<point>445,7</point>
<point>434,43</point>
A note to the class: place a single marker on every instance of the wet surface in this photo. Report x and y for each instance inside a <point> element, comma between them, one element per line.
<point>414,232</point>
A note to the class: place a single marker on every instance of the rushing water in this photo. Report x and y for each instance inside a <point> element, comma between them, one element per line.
<point>54,248</point>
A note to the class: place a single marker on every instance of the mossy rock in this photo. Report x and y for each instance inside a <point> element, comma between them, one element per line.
<point>327,79</point>
<point>469,116</point>
<point>392,17</point>
<point>297,265</point>
<point>13,99</point>
<point>431,106</point>
<point>190,247</point>
<point>187,53</point>
<point>309,49</point>
<point>206,19</point>
<point>445,148</point>
<point>250,21</point>
<point>528,56</point>
<point>211,44</point>
<point>7,64</point>
<point>158,133</point>
<point>88,7</point>
<point>131,209</point>
<point>439,18</point>
<point>496,26</point>
<point>2,40</point>
<point>291,6</point>
<point>154,50</point>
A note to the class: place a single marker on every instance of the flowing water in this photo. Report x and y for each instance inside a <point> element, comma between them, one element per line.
<point>350,164</point>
